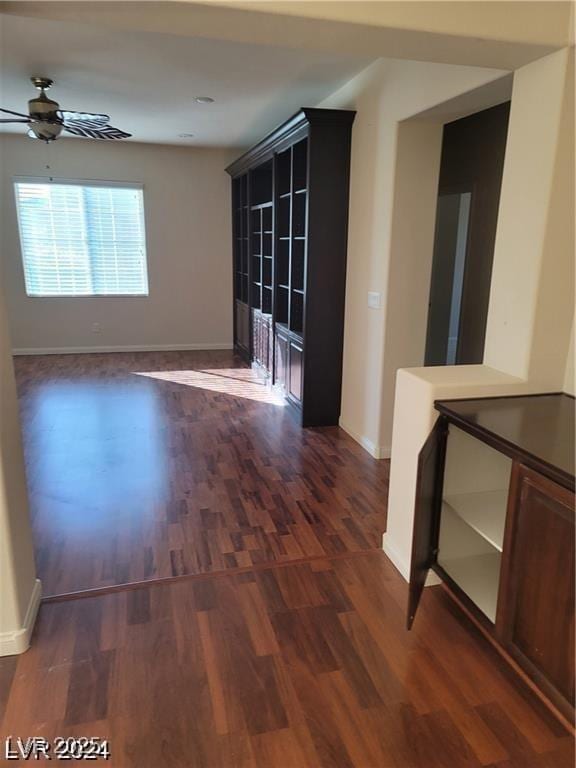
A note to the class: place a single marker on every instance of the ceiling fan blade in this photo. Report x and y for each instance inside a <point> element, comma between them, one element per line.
<point>14,121</point>
<point>95,120</point>
<point>10,112</point>
<point>104,132</point>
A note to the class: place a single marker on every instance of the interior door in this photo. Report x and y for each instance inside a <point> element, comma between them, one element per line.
<point>426,512</point>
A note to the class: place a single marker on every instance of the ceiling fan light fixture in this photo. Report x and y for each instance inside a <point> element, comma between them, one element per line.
<point>46,131</point>
<point>46,120</point>
<point>204,100</point>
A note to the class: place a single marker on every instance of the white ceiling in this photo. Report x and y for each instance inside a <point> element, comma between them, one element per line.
<point>147,82</point>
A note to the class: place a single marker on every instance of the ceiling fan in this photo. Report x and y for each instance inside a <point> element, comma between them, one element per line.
<point>47,121</point>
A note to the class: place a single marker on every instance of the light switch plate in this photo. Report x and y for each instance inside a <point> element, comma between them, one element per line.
<point>374,301</point>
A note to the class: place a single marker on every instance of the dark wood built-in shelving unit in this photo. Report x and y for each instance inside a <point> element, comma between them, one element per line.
<point>290,200</point>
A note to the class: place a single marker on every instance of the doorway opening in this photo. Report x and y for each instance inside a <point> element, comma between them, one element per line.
<point>471,169</point>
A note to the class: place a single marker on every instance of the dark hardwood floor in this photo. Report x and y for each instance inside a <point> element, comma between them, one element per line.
<point>306,665</point>
<point>144,466</point>
<point>278,639</point>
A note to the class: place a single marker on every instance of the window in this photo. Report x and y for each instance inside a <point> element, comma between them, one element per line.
<point>82,239</point>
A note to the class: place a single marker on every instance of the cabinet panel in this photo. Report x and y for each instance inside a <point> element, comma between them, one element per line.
<point>265,345</point>
<point>242,325</point>
<point>256,335</point>
<point>281,362</point>
<point>426,513</point>
<point>538,597</point>
<point>295,371</point>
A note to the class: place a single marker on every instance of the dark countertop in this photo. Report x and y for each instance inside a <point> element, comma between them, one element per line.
<point>536,429</point>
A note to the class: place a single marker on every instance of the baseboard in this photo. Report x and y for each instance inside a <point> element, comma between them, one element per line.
<point>207,346</point>
<point>400,562</point>
<point>18,641</point>
<point>376,451</point>
<point>393,554</point>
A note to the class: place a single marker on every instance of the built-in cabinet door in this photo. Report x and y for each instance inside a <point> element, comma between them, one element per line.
<point>242,325</point>
<point>295,371</point>
<point>281,360</point>
<point>426,513</point>
<point>536,613</point>
<point>256,335</point>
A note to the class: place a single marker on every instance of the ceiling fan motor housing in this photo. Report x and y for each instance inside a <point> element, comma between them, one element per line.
<point>43,108</point>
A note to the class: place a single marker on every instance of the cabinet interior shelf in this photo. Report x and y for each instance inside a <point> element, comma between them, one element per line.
<point>484,512</point>
<point>479,577</point>
<point>470,560</point>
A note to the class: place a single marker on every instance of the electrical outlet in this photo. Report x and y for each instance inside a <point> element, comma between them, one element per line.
<point>95,327</point>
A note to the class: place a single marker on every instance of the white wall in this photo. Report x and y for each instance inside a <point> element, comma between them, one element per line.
<point>389,253</point>
<point>531,306</point>
<point>187,210</point>
<point>19,588</point>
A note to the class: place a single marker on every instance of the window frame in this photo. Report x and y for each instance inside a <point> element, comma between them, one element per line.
<point>106,184</point>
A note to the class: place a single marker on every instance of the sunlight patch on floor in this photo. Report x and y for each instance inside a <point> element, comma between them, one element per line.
<point>235,382</point>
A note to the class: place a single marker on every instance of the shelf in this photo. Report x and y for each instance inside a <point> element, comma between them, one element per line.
<point>260,206</point>
<point>470,560</point>
<point>284,238</point>
<point>285,195</point>
<point>484,512</point>
<point>300,191</point>
<point>298,290</point>
<point>268,232</point>
<point>478,576</point>
<point>286,287</point>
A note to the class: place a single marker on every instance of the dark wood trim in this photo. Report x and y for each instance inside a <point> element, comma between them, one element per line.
<point>145,583</point>
<point>503,604</point>
<point>288,133</point>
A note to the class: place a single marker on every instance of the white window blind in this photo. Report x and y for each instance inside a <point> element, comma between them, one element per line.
<point>82,239</point>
